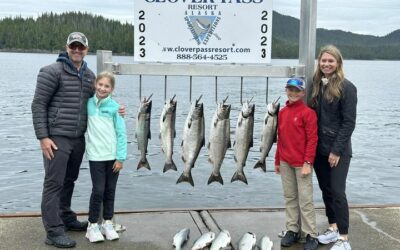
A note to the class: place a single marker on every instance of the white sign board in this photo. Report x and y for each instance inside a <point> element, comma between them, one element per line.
<point>203,31</point>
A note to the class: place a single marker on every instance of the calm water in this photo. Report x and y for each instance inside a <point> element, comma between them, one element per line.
<point>373,177</point>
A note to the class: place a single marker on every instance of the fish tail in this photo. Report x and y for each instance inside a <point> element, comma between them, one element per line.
<point>239,176</point>
<point>261,165</point>
<point>143,163</point>
<point>186,178</point>
<point>169,166</point>
<point>217,178</point>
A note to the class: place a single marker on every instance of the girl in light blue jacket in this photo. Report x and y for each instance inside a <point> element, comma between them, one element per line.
<point>106,151</point>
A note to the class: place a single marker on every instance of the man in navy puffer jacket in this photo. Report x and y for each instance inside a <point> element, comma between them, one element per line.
<point>60,119</point>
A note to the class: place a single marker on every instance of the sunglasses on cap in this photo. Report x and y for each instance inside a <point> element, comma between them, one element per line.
<point>295,82</point>
<point>79,46</point>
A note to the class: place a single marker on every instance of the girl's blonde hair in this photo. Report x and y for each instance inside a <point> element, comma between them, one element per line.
<point>334,88</point>
<point>106,74</point>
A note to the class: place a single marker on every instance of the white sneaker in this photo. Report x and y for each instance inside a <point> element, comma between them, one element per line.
<point>93,233</point>
<point>107,228</point>
<point>329,236</point>
<point>341,245</point>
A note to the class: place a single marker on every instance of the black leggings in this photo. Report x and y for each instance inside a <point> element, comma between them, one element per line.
<point>104,182</point>
<point>332,182</point>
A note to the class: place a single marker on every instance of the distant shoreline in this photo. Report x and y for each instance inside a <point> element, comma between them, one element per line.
<point>56,52</point>
<point>40,51</point>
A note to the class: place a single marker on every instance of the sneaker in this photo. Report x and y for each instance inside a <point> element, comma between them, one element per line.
<point>311,243</point>
<point>341,245</point>
<point>93,233</point>
<point>289,239</point>
<point>329,236</point>
<point>76,226</point>
<point>107,228</point>
<point>60,241</point>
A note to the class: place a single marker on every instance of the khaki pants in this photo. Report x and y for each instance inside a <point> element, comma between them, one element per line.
<point>298,194</point>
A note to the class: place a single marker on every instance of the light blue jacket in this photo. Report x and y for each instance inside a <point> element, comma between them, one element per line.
<point>106,132</point>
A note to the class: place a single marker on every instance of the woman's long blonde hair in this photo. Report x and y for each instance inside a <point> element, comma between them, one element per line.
<point>334,88</point>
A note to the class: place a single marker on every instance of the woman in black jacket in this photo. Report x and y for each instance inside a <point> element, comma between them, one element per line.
<point>334,98</point>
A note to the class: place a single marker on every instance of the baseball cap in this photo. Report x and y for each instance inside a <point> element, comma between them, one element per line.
<point>296,82</point>
<point>77,37</point>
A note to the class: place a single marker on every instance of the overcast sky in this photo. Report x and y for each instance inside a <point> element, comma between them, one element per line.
<point>358,16</point>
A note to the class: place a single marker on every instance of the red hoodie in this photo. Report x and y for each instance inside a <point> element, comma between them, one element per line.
<point>297,134</point>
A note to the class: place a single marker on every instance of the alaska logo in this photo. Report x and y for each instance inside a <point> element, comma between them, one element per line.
<point>202,27</point>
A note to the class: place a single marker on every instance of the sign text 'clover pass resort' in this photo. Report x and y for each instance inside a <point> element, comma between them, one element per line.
<point>203,31</point>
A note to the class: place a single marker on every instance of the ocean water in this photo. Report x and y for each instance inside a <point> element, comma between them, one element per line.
<point>372,180</point>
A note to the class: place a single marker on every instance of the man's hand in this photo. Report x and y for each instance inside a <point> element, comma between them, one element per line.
<point>48,146</point>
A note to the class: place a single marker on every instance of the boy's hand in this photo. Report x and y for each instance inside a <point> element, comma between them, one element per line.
<point>277,169</point>
<point>117,166</point>
<point>306,169</point>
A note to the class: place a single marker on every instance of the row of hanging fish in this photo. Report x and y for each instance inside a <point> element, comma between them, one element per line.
<point>222,240</point>
<point>193,138</point>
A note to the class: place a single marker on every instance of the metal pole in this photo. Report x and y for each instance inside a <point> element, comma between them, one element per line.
<point>216,89</point>
<point>241,90</point>
<point>140,87</point>
<point>266,90</point>
<point>190,90</point>
<point>165,87</point>
<point>103,56</point>
<point>307,42</point>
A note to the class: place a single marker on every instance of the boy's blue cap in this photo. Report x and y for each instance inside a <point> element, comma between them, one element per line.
<point>296,82</point>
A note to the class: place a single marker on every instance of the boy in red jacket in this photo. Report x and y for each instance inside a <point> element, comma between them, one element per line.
<point>295,153</point>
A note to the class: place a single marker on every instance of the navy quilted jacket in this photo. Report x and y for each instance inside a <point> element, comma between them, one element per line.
<point>61,95</point>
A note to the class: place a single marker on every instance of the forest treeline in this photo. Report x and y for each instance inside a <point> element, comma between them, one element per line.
<point>48,32</point>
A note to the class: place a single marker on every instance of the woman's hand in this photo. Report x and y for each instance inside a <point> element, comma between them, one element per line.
<point>333,160</point>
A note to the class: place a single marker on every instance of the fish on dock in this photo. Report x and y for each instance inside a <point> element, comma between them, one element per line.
<point>219,140</point>
<point>243,139</point>
<point>265,243</point>
<point>222,240</point>
<point>143,132</point>
<point>248,241</point>
<point>168,132</point>
<point>205,240</point>
<point>193,140</point>
<point>269,133</point>
<point>180,238</point>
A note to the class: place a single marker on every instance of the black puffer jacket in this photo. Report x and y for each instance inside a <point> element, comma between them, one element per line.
<point>336,121</point>
<point>61,95</point>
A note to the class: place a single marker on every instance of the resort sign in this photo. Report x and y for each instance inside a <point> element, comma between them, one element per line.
<point>203,31</point>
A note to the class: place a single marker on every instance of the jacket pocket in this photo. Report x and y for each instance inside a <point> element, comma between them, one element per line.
<point>326,138</point>
<point>53,118</point>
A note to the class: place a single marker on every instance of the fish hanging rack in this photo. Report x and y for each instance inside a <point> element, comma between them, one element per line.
<point>104,62</point>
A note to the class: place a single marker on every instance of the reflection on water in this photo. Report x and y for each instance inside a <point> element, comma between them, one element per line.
<point>373,176</point>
